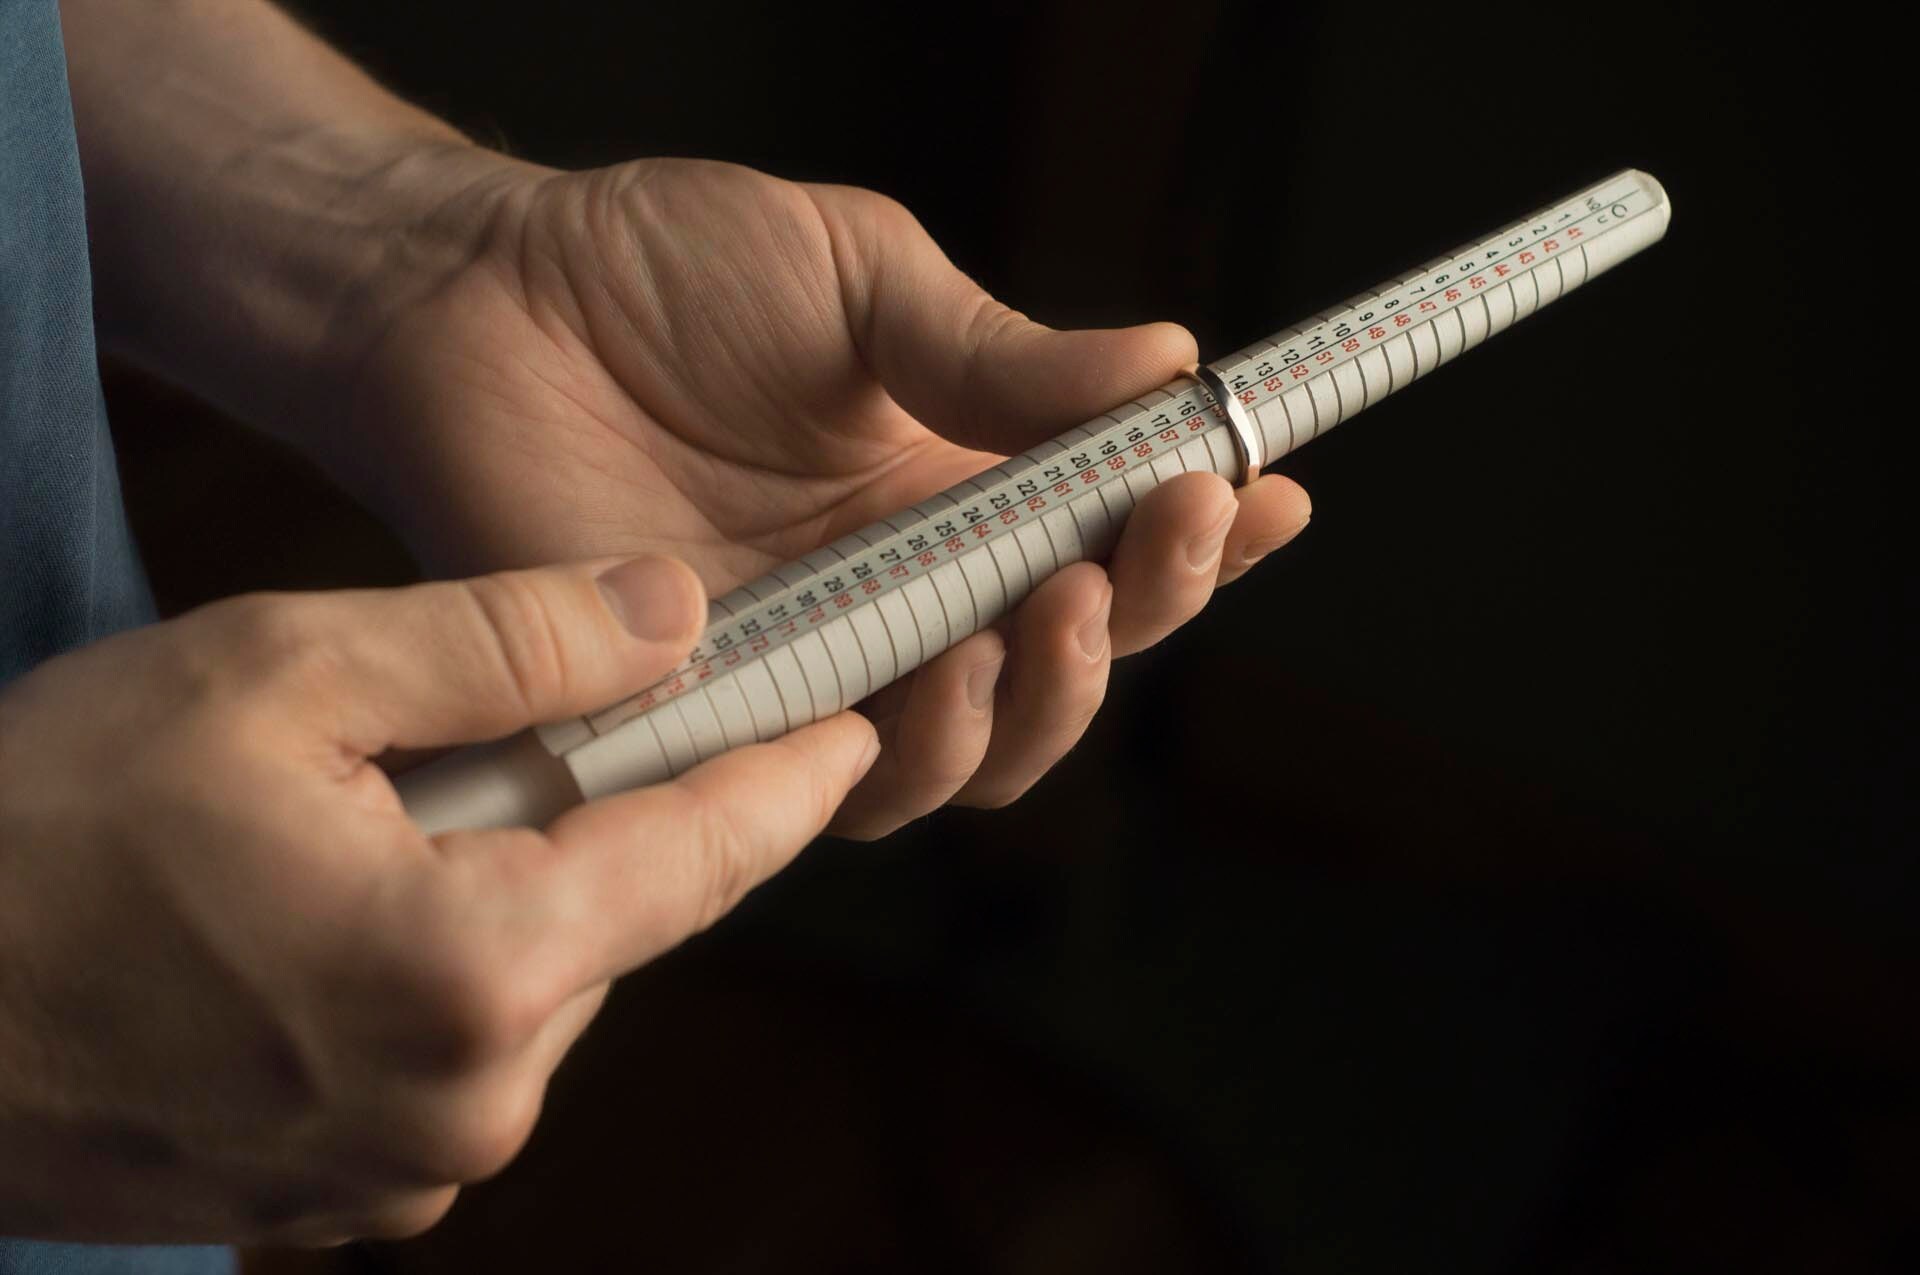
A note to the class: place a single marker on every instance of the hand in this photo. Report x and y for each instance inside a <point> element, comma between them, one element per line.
<point>517,365</point>
<point>698,359</point>
<point>242,998</point>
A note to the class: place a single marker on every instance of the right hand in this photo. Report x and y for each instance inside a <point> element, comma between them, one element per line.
<point>242,997</point>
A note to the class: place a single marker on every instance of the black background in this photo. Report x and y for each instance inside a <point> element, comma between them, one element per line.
<point>1510,876</point>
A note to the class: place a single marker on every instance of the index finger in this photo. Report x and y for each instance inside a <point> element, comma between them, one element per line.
<point>621,880</point>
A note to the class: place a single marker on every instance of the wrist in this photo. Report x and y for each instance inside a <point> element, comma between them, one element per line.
<point>261,286</point>
<point>254,201</point>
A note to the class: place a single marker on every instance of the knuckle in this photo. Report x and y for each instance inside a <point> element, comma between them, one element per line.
<point>939,768</point>
<point>266,639</point>
<point>258,622</point>
<point>938,781</point>
<point>470,1008</point>
<point>946,778</point>
<point>522,638</point>
<point>986,326</point>
<point>824,790</point>
<point>480,1139</point>
<point>882,211</point>
<point>725,874</point>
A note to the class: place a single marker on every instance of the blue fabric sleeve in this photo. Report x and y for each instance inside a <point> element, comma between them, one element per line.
<point>68,571</point>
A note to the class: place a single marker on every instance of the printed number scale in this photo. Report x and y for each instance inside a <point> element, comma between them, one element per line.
<point>820,634</point>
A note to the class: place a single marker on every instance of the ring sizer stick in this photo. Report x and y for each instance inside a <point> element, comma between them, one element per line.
<point>820,634</point>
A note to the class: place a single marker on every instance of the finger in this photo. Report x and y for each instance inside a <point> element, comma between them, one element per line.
<point>510,1088</point>
<point>1273,510</point>
<point>1168,557</point>
<point>466,660</point>
<point>616,882</point>
<point>963,364</point>
<point>1059,655</point>
<point>559,1033</point>
<point>935,743</point>
<point>398,1216</point>
<point>407,1216</point>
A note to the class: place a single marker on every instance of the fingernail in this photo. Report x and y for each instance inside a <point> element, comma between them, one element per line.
<point>1093,634</point>
<point>1258,549</point>
<point>867,759</point>
<point>651,598</point>
<point>980,683</point>
<point>1203,551</point>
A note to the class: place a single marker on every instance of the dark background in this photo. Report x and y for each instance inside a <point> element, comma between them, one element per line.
<point>1511,876</point>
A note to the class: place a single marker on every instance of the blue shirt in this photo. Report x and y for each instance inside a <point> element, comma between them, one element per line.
<point>68,570</point>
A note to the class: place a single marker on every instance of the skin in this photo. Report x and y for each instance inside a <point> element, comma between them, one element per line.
<point>846,371</point>
<point>244,997</point>
<point>696,363</point>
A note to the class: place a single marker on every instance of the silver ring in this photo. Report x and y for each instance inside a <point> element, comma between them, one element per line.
<point>1246,443</point>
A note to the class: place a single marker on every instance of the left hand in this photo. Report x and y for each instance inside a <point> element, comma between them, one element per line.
<point>700,360</point>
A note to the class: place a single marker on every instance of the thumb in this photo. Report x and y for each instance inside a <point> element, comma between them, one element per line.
<point>463,660</point>
<point>963,364</point>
